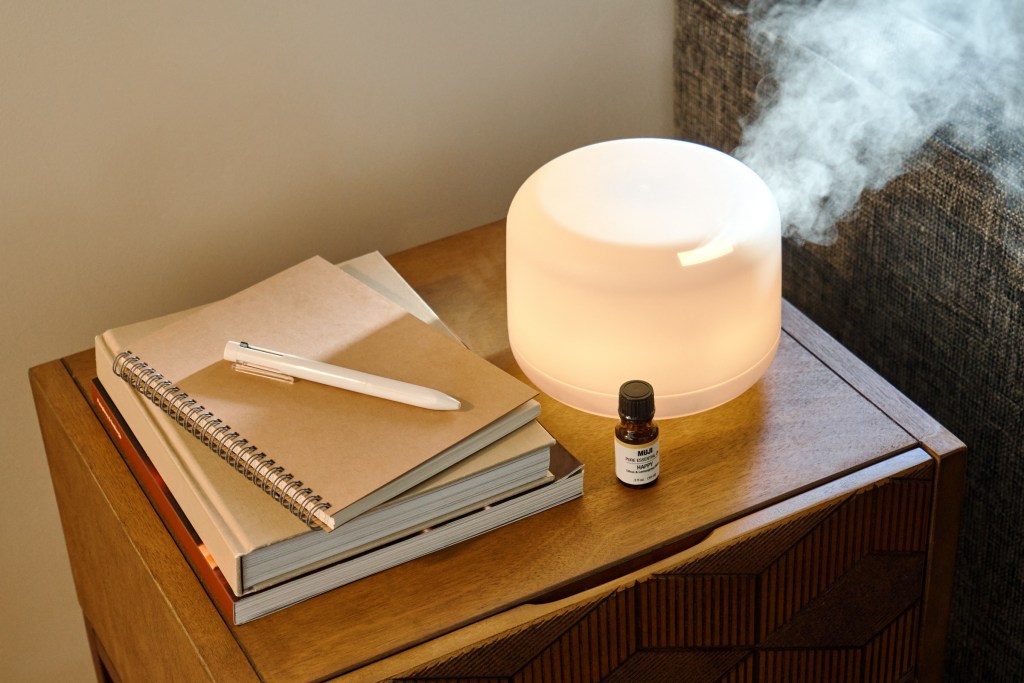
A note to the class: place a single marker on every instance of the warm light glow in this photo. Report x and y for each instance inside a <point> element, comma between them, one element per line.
<point>596,294</point>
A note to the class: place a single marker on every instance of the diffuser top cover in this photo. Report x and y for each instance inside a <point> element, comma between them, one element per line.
<point>648,259</point>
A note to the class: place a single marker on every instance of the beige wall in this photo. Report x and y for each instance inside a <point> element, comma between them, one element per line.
<point>156,155</point>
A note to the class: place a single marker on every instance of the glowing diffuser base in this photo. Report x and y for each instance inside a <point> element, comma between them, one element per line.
<point>644,259</point>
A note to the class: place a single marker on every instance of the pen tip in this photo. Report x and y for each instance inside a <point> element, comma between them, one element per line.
<point>446,402</point>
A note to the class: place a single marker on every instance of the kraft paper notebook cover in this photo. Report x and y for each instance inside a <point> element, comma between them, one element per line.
<point>335,453</point>
<point>257,542</point>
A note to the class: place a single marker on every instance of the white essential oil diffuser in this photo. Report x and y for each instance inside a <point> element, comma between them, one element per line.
<point>646,259</point>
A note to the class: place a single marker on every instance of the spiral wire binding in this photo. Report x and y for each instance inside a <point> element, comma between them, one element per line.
<point>221,439</point>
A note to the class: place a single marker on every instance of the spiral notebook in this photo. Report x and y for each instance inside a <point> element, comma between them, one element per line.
<point>254,541</point>
<point>325,454</point>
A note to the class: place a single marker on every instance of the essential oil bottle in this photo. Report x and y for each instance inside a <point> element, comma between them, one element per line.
<point>636,436</point>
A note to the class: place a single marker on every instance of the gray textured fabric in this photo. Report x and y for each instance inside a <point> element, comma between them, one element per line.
<point>926,285</point>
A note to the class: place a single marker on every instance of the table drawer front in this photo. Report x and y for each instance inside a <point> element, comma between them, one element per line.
<point>828,592</point>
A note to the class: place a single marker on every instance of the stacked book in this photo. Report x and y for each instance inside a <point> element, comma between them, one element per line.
<point>280,490</point>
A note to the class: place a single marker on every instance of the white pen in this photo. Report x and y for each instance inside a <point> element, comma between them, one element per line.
<point>249,358</point>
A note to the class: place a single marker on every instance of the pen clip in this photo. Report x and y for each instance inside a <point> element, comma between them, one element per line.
<point>251,369</point>
<point>259,370</point>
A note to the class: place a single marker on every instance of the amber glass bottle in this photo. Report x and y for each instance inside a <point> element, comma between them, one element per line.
<point>636,436</point>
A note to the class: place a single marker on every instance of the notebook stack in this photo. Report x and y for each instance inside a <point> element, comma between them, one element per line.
<point>278,490</point>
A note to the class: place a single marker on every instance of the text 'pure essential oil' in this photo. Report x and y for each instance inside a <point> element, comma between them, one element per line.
<point>636,436</point>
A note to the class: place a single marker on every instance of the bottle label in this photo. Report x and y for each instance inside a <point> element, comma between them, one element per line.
<point>636,463</point>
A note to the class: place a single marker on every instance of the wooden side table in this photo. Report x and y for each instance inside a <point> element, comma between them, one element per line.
<point>805,530</point>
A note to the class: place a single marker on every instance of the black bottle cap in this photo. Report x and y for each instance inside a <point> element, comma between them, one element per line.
<point>636,401</point>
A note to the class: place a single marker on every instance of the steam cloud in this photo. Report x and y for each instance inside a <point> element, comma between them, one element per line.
<point>856,87</point>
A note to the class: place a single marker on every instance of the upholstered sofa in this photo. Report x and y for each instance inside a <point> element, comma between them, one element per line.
<point>925,282</point>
